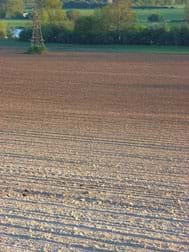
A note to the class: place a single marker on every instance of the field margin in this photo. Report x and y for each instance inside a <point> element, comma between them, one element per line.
<point>14,44</point>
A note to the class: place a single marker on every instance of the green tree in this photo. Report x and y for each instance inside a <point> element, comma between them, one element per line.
<point>117,16</point>
<point>14,8</point>
<point>155,17</point>
<point>52,12</point>
<point>53,16</point>
<point>87,25</point>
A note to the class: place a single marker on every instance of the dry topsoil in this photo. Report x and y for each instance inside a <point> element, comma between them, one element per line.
<point>94,152</point>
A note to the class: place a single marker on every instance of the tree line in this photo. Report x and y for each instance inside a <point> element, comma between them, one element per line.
<point>112,24</point>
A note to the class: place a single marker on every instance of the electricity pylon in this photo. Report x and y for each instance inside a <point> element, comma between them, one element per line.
<point>37,37</point>
<point>37,41</point>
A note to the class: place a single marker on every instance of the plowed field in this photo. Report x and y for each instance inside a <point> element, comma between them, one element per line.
<point>94,152</point>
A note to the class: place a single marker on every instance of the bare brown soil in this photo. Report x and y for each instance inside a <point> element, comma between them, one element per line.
<point>94,152</point>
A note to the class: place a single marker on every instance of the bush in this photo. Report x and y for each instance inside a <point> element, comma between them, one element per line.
<point>155,17</point>
<point>57,34</point>
<point>36,49</point>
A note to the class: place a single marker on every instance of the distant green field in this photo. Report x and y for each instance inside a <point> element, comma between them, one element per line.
<point>99,48</point>
<point>15,23</point>
<point>171,16</point>
<point>142,14</point>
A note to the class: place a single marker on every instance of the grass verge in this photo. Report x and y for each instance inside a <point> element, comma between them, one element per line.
<point>15,44</point>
